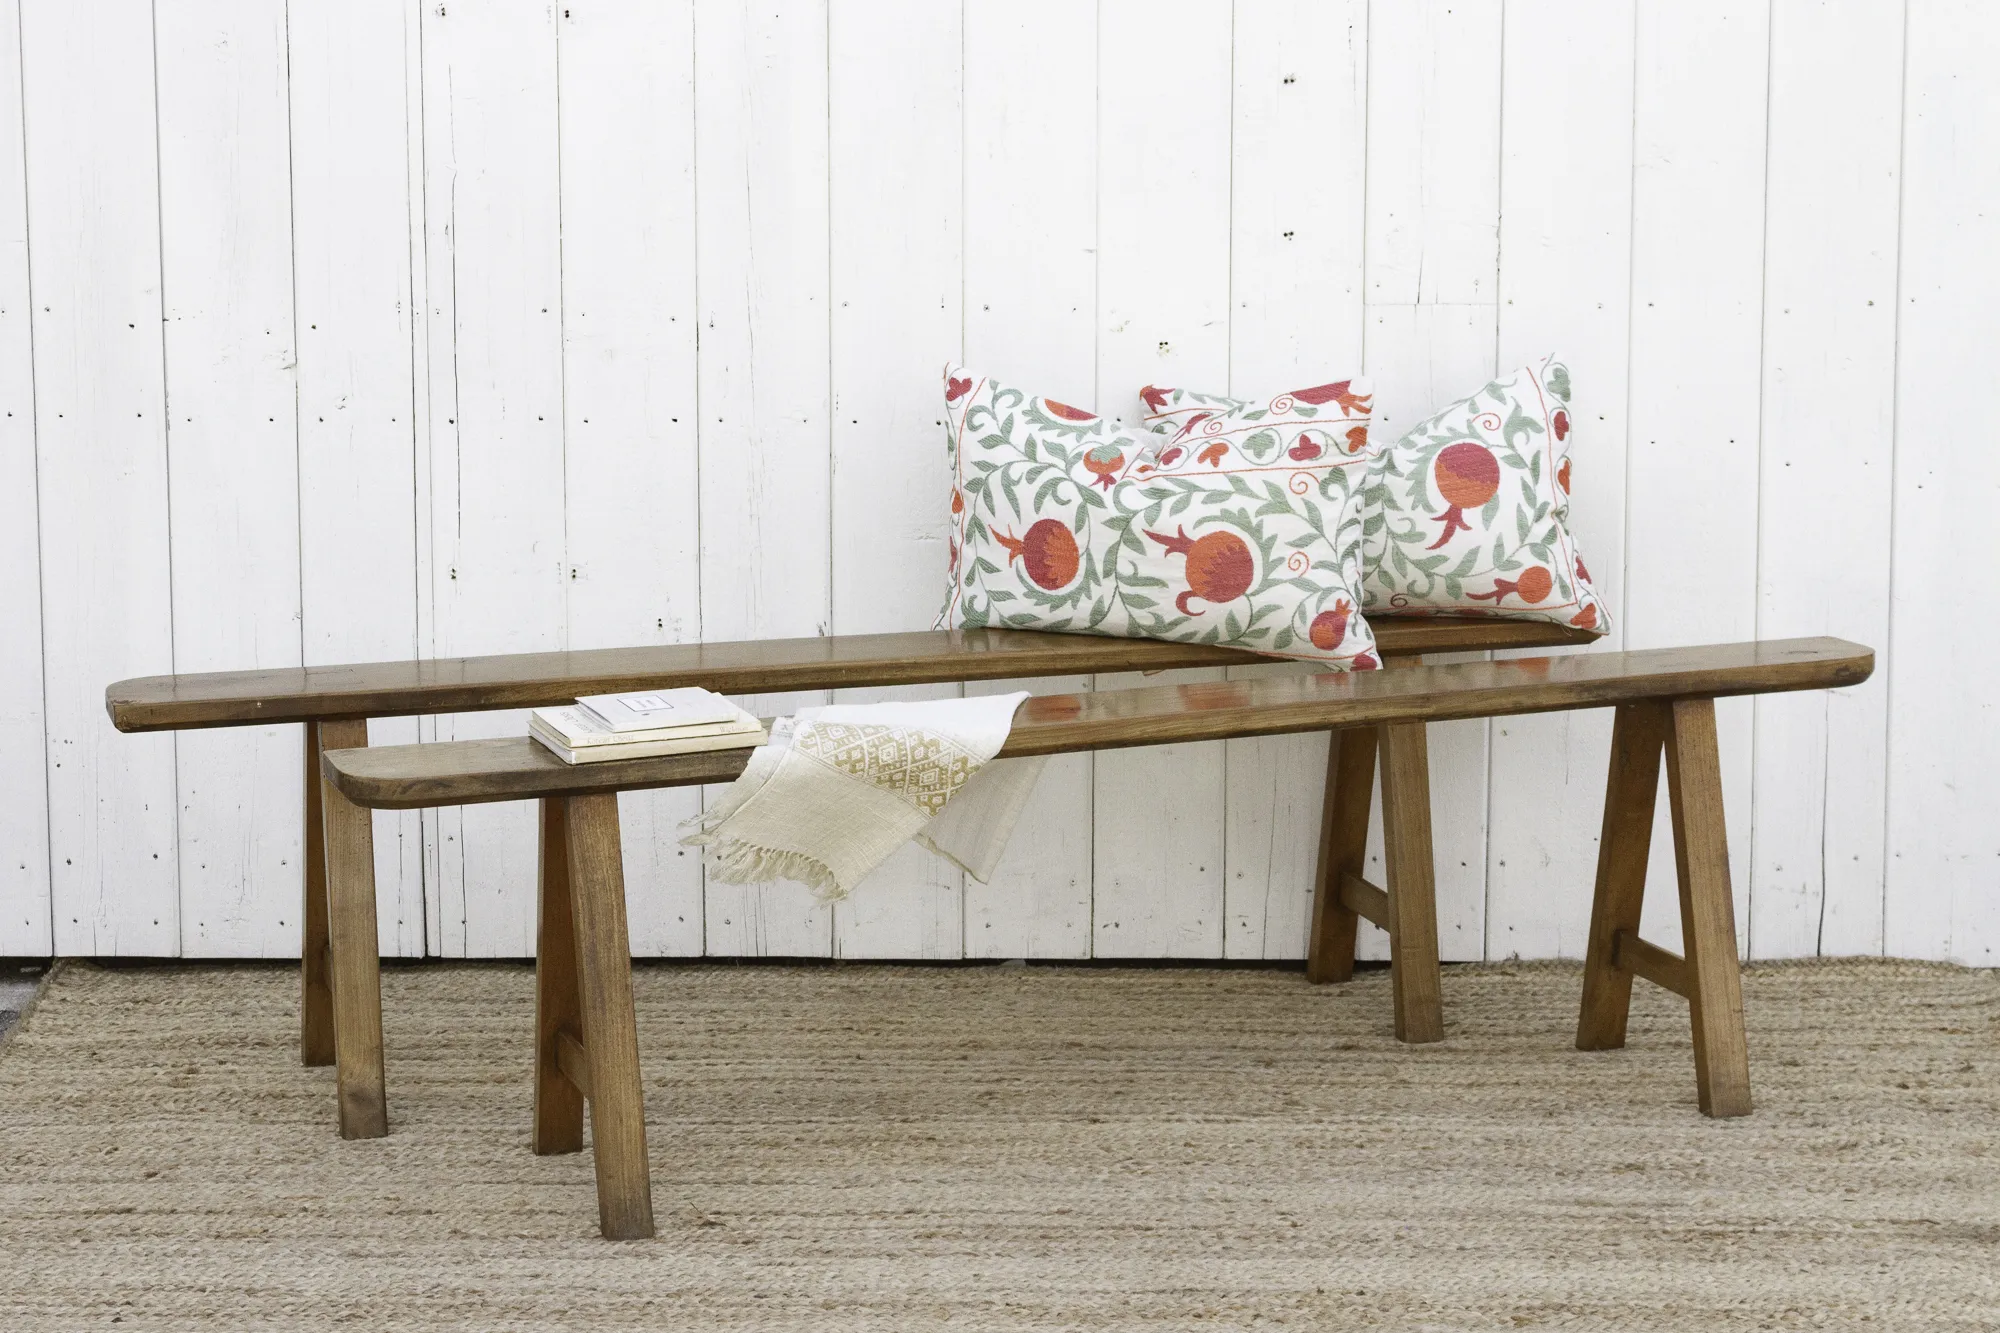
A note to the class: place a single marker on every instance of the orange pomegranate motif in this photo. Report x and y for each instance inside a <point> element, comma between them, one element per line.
<point>1330,627</point>
<point>1103,463</point>
<point>1534,584</point>
<point>1066,412</point>
<point>1334,393</point>
<point>1562,476</point>
<point>1468,475</point>
<point>1047,552</point>
<point>1586,618</point>
<point>1219,566</point>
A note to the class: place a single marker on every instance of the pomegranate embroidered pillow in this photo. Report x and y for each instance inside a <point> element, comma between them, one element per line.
<point>1467,513</point>
<point>1245,535</point>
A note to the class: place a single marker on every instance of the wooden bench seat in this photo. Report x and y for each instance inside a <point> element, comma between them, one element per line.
<point>587,1044</point>
<point>335,702</point>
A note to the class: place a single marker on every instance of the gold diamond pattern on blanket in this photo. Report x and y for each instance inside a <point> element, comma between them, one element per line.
<point>924,769</point>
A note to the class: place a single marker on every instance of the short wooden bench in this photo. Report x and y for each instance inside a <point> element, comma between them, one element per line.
<point>586,1035</point>
<point>340,1005</point>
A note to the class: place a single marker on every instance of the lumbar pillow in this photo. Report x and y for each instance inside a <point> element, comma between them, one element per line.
<point>1467,513</point>
<point>1245,534</point>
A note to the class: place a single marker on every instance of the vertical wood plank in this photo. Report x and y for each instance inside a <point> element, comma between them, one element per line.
<point>610,1027</point>
<point>628,280</point>
<point>1638,739</point>
<point>101,466</point>
<point>1030,311</point>
<point>761,154</point>
<point>25,927</point>
<point>1708,920</point>
<point>1433,205</point>
<point>895,142</point>
<point>1944,725</point>
<point>1565,286</point>
<point>1833,191</point>
<point>498,483</point>
<point>1300,95</point>
<point>355,965</point>
<point>558,1115</point>
<point>1163,318</point>
<point>353,296</point>
<point>1697,317</point>
<point>232,448</point>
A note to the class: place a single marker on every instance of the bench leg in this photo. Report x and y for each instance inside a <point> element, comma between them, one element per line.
<point>558,1004</point>
<point>610,1029</point>
<point>1412,889</point>
<point>1637,737</point>
<point>1343,849</point>
<point>315,995</point>
<point>355,966</point>
<point>1708,918</point>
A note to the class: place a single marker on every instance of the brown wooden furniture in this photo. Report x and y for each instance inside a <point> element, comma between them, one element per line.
<point>339,944</point>
<point>586,1042</point>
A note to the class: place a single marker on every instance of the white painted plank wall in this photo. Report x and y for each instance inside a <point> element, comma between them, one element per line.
<point>1565,286</point>
<point>24,787</point>
<point>232,453</point>
<point>1030,312</point>
<point>1942,890</point>
<point>101,467</point>
<point>340,332</point>
<point>354,307</point>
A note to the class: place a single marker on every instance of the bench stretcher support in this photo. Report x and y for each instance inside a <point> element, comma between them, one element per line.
<point>1683,731</point>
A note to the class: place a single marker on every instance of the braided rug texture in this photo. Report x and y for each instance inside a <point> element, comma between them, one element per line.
<point>867,1147</point>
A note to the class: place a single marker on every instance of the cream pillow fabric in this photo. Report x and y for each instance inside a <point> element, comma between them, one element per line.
<point>1468,512</point>
<point>1245,534</point>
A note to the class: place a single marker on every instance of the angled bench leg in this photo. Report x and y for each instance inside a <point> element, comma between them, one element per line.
<point>1708,917</point>
<point>558,1004</point>
<point>1707,977</point>
<point>1412,888</point>
<point>1343,848</point>
<point>610,1045</point>
<point>315,994</point>
<point>1637,737</point>
<point>355,966</point>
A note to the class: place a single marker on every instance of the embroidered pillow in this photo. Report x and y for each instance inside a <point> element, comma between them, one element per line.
<point>1467,513</point>
<point>1247,535</point>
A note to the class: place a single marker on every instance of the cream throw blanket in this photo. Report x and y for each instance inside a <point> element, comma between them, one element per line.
<point>839,788</point>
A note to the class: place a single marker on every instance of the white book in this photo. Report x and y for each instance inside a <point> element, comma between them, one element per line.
<point>645,749</point>
<point>660,710</point>
<point>578,727</point>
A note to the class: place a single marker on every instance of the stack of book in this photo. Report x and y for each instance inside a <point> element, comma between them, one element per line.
<point>640,726</point>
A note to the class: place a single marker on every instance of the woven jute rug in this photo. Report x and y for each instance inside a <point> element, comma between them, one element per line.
<point>1010,1148</point>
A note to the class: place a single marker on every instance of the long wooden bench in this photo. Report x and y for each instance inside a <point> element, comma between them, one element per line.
<point>585,1032</point>
<point>339,982</point>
